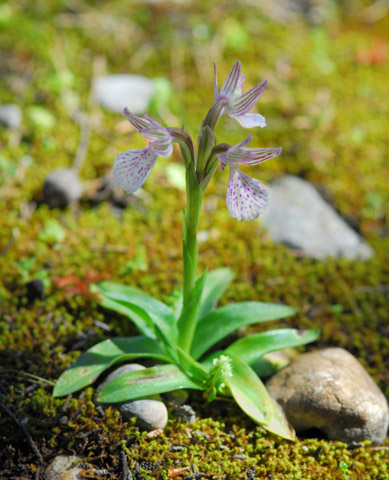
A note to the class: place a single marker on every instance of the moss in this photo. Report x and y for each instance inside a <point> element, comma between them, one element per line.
<point>326,108</point>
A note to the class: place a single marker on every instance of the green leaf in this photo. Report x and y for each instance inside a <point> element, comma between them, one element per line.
<point>187,322</point>
<point>142,383</point>
<point>279,424</point>
<point>249,349</point>
<point>249,392</point>
<point>102,356</point>
<point>142,309</point>
<point>215,285</point>
<point>223,321</point>
<point>191,368</point>
<point>253,398</point>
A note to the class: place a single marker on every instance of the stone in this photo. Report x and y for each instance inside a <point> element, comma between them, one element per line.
<point>62,187</point>
<point>299,217</point>
<point>10,116</point>
<point>62,468</point>
<point>150,412</point>
<point>35,290</point>
<point>330,390</point>
<point>114,92</point>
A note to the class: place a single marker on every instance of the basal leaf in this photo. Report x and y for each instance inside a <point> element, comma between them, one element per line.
<point>250,348</point>
<point>192,368</point>
<point>155,312</point>
<point>102,356</point>
<point>215,285</point>
<point>225,320</point>
<point>249,392</point>
<point>279,424</point>
<point>142,383</point>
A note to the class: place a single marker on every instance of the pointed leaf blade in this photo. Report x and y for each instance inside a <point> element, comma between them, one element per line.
<point>215,285</point>
<point>142,383</point>
<point>102,356</point>
<point>187,322</point>
<point>249,392</point>
<point>191,368</point>
<point>134,299</point>
<point>223,321</point>
<point>250,348</point>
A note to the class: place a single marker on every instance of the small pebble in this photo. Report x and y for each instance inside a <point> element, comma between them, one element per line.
<point>10,116</point>
<point>35,290</point>
<point>61,188</point>
<point>62,468</point>
<point>151,413</point>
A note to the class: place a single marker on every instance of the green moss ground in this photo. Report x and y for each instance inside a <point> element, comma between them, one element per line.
<point>326,104</point>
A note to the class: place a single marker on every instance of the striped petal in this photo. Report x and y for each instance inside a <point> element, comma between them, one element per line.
<point>231,83</point>
<point>138,122</point>
<point>132,167</point>
<point>251,156</point>
<point>244,103</point>
<point>246,196</point>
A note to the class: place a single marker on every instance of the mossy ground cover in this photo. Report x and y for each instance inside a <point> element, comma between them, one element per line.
<point>326,104</point>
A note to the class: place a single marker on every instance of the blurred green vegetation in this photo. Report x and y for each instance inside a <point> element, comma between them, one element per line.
<point>326,105</point>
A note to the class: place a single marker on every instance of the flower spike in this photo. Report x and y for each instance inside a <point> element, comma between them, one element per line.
<point>246,196</point>
<point>237,104</point>
<point>132,167</point>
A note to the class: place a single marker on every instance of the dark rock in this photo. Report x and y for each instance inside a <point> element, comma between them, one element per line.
<point>61,188</point>
<point>35,290</point>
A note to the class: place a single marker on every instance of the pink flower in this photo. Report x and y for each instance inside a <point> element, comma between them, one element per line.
<point>246,196</point>
<point>132,167</point>
<point>237,104</point>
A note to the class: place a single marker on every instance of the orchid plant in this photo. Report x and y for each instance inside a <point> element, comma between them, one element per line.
<point>181,337</point>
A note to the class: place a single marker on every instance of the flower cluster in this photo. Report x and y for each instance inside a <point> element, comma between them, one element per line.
<point>246,196</point>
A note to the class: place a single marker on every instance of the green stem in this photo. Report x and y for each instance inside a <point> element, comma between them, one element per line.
<point>194,200</point>
<point>187,324</point>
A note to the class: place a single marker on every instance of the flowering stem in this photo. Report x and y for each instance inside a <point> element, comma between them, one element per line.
<point>190,249</point>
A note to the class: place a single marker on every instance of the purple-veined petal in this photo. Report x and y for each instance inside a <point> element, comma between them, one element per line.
<point>233,152</point>
<point>163,148</point>
<point>229,86</point>
<point>244,103</point>
<point>132,167</point>
<point>239,85</point>
<point>250,120</point>
<point>138,122</point>
<point>246,196</point>
<point>156,134</point>
<point>251,156</point>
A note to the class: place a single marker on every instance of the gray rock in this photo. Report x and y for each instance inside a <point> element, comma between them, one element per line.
<point>150,412</point>
<point>331,391</point>
<point>299,217</point>
<point>61,188</point>
<point>62,468</point>
<point>114,92</point>
<point>10,116</point>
